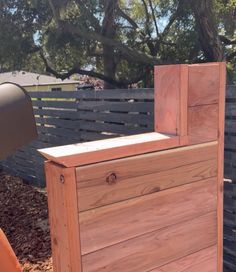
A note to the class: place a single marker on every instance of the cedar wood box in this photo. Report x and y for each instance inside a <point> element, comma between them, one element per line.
<point>150,202</point>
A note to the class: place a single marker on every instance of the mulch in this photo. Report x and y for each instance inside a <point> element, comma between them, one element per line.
<point>24,219</point>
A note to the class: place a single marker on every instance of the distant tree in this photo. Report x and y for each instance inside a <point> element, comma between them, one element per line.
<point>117,41</point>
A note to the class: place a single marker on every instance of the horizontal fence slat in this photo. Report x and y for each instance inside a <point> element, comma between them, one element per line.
<point>231,92</point>
<point>54,104</point>
<point>59,132</point>
<point>97,116</point>
<point>112,128</point>
<point>99,94</point>
<point>98,106</point>
<point>92,136</point>
<point>60,123</point>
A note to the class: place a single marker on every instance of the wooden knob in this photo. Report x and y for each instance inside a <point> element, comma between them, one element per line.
<point>111,178</point>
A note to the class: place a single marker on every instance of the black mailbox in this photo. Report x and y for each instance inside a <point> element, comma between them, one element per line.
<point>17,123</point>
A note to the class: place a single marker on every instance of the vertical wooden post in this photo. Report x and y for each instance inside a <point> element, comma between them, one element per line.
<point>197,117</point>
<point>64,218</point>
<point>167,96</point>
<point>222,85</point>
<point>171,100</point>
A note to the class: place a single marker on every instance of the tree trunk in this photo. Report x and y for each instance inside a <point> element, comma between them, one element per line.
<point>207,30</point>
<point>108,30</point>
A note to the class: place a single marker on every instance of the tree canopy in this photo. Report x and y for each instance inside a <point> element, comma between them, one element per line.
<point>117,41</point>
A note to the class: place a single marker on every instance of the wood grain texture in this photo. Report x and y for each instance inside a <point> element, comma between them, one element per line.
<point>222,79</point>
<point>203,123</point>
<point>95,193</point>
<point>156,248</point>
<point>147,163</point>
<point>204,80</point>
<point>119,222</point>
<point>63,216</point>
<point>184,78</point>
<point>104,150</point>
<point>167,99</point>
<point>203,260</point>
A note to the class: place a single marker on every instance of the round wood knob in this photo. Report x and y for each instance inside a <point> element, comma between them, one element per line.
<point>111,178</point>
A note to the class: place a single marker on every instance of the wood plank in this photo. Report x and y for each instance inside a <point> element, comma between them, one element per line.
<point>167,97</point>
<point>85,153</point>
<point>184,78</point>
<point>231,92</point>
<point>113,128</point>
<point>67,104</point>
<point>98,94</point>
<point>119,222</point>
<point>94,193</point>
<point>122,106</point>
<point>72,133</point>
<point>156,248</point>
<point>229,263</point>
<point>94,126</point>
<point>56,140</point>
<point>204,80</point>
<point>141,119</point>
<point>86,136</point>
<point>203,260</point>
<point>230,126</point>
<point>63,216</point>
<point>222,84</point>
<point>203,123</point>
<point>148,163</point>
<point>230,110</point>
<point>58,122</point>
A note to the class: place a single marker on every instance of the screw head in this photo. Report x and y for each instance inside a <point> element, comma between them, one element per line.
<point>62,179</point>
<point>111,178</point>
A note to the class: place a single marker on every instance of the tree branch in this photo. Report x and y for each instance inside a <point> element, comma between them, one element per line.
<point>172,19</point>
<point>226,40</point>
<point>94,20</point>
<point>147,18</point>
<point>77,70</point>
<point>127,18</point>
<point>153,16</point>
<point>128,53</point>
<point>55,11</point>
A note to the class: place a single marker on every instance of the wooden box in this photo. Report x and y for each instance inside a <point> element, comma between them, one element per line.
<point>149,202</point>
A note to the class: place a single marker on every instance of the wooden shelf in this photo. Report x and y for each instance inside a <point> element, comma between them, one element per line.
<point>103,150</point>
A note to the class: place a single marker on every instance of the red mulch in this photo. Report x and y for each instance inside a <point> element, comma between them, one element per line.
<point>24,219</point>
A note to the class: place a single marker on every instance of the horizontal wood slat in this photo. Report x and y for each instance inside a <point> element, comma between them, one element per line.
<point>156,248</point>
<point>98,192</point>
<point>140,119</point>
<point>101,94</point>
<point>121,106</point>
<point>116,223</point>
<point>148,163</point>
<point>203,260</point>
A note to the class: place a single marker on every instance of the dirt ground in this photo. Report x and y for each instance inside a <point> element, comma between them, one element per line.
<point>24,219</point>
